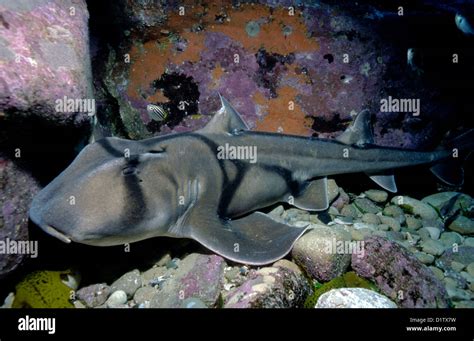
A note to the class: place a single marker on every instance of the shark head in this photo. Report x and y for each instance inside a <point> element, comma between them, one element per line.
<point>116,191</point>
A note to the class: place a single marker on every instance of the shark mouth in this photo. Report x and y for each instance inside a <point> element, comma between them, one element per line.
<point>55,233</point>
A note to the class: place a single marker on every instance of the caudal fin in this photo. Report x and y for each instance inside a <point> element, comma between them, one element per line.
<point>450,170</point>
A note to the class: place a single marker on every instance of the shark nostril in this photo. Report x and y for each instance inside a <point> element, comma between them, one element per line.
<point>55,233</point>
<point>129,170</point>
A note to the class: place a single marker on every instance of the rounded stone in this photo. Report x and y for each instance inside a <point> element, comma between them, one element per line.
<point>416,207</point>
<point>284,263</point>
<point>413,223</point>
<point>317,253</point>
<point>193,303</point>
<point>469,241</point>
<point>439,200</point>
<point>438,272</point>
<point>463,225</point>
<point>449,239</point>
<point>392,222</point>
<point>128,283</point>
<point>350,211</point>
<point>370,218</point>
<point>377,195</point>
<point>425,258</point>
<point>456,266</point>
<point>93,295</point>
<point>434,232</point>
<point>117,299</point>
<point>360,234</point>
<point>467,276</point>
<point>450,282</point>
<point>424,234</point>
<point>470,269</point>
<point>394,212</point>
<point>366,206</point>
<point>353,298</point>
<point>433,247</point>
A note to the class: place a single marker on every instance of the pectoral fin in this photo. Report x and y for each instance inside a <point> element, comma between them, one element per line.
<point>314,197</point>
<point>255,239</point>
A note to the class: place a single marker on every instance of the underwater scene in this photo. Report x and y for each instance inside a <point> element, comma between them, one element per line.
<point>236,154</point>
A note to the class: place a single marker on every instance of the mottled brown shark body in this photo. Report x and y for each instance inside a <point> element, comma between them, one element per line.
<point>120,191</point>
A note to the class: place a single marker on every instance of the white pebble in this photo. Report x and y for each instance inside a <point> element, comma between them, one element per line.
<point>117,299</point>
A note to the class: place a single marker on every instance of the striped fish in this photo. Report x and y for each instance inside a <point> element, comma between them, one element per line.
<point>156,112</point>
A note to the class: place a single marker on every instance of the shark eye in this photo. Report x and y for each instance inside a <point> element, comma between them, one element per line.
<point>129,170</point>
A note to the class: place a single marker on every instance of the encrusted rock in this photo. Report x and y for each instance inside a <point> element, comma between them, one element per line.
<point>17,189</point>
<point>399,275</point>
<point>271,287</point>
<point>199,276</point>
<point>93,295</point>
<point>45,57</point>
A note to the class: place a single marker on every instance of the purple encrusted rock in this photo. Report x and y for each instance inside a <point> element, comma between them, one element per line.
<point>271,287</point>
<point>93,295</point>
<point>197,276</point>
<point>399,275</point>
<point>44,57</point>
<point>17,189</point>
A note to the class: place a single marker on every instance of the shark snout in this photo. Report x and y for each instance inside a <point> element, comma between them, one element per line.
<point>39,212</point>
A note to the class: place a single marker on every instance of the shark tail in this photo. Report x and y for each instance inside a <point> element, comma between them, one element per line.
<point>457,149</point>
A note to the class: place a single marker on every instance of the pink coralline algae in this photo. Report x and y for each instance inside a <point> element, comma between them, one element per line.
<point>45,57</point>
<point>399,275</point>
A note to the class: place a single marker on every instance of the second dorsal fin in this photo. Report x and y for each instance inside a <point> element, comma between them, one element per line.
<point>226,119</point>
<point>359,132</point>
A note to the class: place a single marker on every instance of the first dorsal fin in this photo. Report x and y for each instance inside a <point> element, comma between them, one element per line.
<point>359,132</point>
<point>226,119</point>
